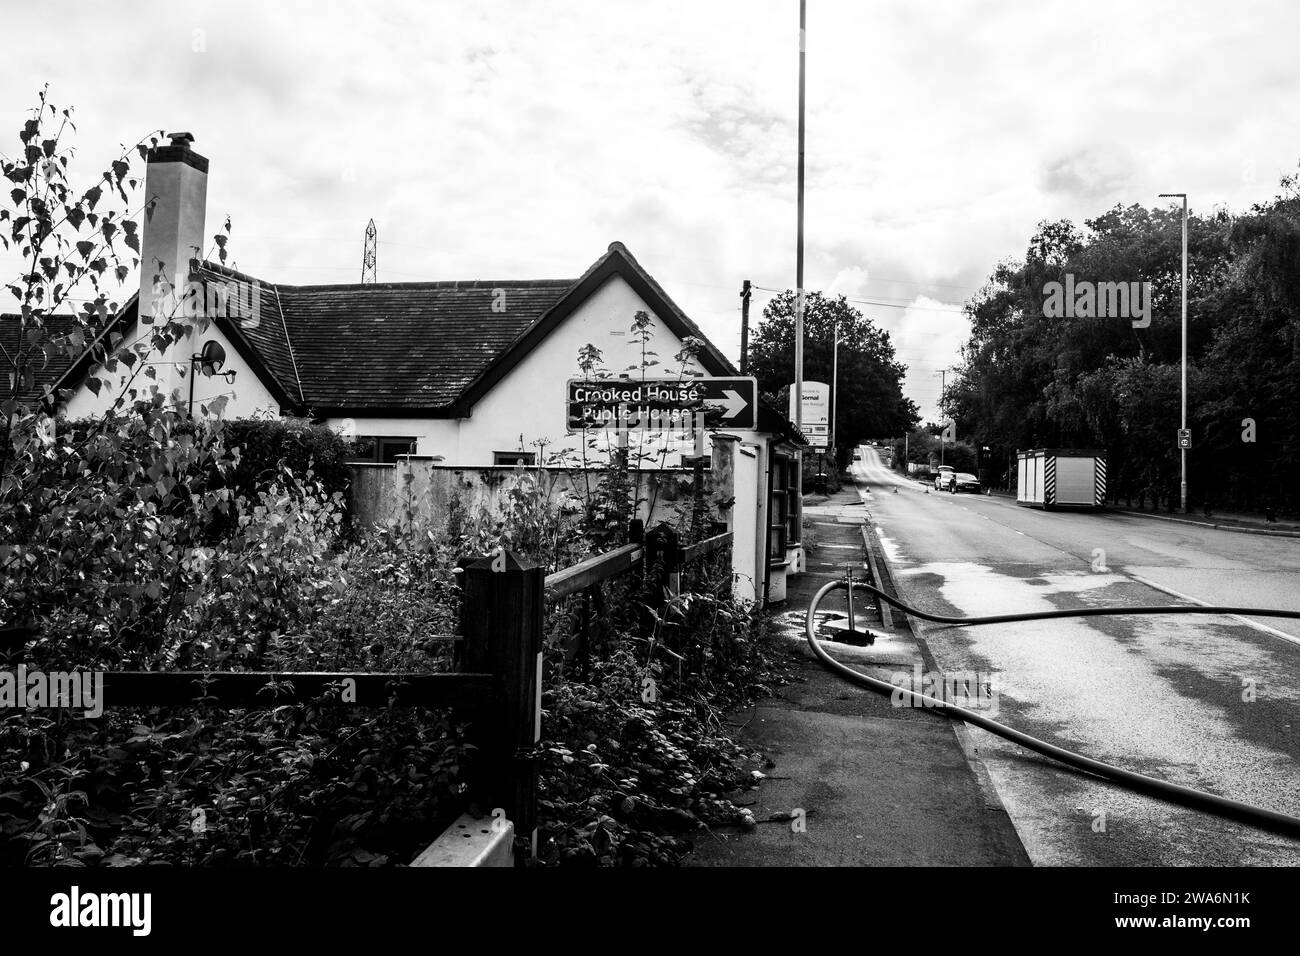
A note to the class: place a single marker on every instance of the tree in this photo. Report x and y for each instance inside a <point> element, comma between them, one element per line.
<point>1030,380</point>
<point>870,392</point>
<point>103,523</point>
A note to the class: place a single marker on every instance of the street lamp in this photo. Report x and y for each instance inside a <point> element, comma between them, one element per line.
<point>1182,449</point>
<point>943,387</point>
<point>835,384</point>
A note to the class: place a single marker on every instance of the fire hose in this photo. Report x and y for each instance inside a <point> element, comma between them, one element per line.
<point>1270,820</point>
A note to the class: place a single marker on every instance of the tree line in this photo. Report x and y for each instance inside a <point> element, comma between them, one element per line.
<point>1036,374</point>
<point>869,389</point>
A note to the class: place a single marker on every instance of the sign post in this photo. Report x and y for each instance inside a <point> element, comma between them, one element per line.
<point>662,404</point>
<point>816,424</point>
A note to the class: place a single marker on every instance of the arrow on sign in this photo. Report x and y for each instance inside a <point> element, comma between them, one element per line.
<point>734,403</point>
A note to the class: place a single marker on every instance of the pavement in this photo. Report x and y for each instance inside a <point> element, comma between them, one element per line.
<point>1209,702</point>
<point>876,785</point>
<point>1245,522</point>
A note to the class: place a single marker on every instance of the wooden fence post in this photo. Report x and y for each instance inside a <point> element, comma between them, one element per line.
<point>663,552</point>
<point>502,607</point>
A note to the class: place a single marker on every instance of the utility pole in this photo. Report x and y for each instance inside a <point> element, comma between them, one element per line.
<point>1182,451</point>
<point>744,326</point>
<point>798,280</point>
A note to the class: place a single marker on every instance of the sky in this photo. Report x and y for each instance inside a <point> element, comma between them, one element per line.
<point>512,139</point>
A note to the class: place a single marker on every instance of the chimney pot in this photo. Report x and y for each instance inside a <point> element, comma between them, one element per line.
<point>182,139</point>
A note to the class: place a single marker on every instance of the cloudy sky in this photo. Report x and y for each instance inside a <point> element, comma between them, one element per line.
<point>517,138</point>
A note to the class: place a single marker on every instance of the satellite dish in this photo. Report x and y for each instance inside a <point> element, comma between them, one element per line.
<point>212,358</point>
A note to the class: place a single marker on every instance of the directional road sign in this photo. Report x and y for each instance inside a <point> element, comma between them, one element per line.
<point>661,404</point>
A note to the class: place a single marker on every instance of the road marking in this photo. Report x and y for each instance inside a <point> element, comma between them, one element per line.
<point>1236,617</point>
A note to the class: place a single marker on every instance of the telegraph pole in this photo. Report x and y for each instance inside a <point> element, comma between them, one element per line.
<point>798,280</point>
<point>744,326</point>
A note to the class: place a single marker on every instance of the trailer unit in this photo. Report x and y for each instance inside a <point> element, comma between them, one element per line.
<point>1061,477</point>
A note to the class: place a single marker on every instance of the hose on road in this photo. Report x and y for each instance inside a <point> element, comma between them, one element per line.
<point>1077,612</point>
<point>1222,806</point>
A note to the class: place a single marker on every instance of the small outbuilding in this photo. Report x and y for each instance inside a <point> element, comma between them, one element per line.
<point>1061,477</point>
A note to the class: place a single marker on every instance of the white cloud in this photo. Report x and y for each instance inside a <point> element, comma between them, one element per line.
<point>519,138</point>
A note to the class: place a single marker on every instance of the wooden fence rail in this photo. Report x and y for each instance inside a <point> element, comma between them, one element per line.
<point>592,571</point>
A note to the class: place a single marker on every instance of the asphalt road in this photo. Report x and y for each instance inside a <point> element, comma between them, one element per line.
<point>1206,701</point>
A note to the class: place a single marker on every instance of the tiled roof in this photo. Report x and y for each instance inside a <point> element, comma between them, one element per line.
<point>46,372</point>
<point>406,345</point>
<point>428,347</point>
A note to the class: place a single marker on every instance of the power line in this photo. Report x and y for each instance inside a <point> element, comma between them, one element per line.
<point>887,305</point>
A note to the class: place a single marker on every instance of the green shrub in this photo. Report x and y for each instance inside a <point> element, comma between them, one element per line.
<point>266,445</point>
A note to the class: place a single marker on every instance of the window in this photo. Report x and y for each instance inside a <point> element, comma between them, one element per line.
<point>785,507</point>
<point>794,493</point>
<point>778,511</point>
<point>390,448</point>
<point>514,458</point>
<point>381,448</point>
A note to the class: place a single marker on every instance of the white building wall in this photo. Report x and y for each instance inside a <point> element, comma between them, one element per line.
<point>434,436</point>
<point>750,542</point>
<point>530,400</point>
<point>247,397</point>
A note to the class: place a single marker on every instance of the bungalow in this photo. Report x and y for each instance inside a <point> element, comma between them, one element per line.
<point>465,375</point>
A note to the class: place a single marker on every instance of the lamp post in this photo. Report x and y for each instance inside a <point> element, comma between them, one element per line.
<point>798,300</point>
<point>835,384</point>
<point>210,360</point>
<point>943,387</point>
<point>1182,450</point>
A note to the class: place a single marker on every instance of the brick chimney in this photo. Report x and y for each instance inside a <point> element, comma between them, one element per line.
<point>176,195</point>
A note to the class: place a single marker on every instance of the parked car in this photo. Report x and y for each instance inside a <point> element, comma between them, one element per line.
<point>943,476</point>
<point>964,481</point>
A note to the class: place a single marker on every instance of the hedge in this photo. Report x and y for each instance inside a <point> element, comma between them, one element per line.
<point>300,444</point>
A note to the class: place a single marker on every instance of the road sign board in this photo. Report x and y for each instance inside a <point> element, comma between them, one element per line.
<point>1184,438</point>
<point>816,404</point>
<point>661,404</point>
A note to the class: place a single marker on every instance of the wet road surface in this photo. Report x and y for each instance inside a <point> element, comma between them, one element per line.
<point>1206,701</point>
